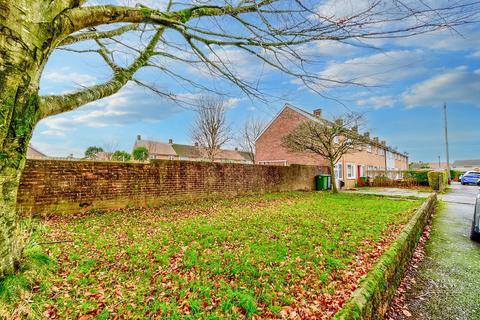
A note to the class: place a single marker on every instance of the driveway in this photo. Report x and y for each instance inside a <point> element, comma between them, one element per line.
<point>447,281</point>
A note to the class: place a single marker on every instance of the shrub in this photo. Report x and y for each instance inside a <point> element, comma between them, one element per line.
<point>420,176</point>
<point>455,174</point>
<point>140,153</point>
<point>121,156</point>
<point>437,180</point>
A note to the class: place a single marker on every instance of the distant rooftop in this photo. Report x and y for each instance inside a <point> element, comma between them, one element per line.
<point>170,150</point>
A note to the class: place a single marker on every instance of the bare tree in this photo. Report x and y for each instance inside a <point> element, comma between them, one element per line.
<point>210,129</point>
<point>249,133</point>
<point>181,35</point>
<point>330,140</point>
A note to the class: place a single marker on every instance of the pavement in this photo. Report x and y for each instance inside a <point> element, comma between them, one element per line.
<point>447,281</point>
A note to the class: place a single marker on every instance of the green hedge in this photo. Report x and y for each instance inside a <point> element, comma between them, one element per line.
<point>455,174</point>
<point>420,176</point>
<point>437,180</point>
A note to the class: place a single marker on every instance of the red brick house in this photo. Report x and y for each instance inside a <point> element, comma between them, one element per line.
<point>375,157</point>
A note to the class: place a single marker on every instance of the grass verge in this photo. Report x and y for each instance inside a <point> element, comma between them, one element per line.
<point>284,254</point>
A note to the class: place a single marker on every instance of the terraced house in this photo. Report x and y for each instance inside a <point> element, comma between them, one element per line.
<point>175,151</point>
<point>375,157</point>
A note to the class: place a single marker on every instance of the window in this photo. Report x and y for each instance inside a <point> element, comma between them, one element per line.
<point>369,148</point>
<point>338,171</point>
<point>350,171</point>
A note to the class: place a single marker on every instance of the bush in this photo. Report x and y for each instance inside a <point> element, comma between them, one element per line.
<point>420,176</point>
<point>437,180</point>
<point>140,153</point>
<point>455,174</point>
<point>121,156</point>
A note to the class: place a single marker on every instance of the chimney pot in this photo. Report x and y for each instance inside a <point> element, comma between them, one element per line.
<point>236,149</point>
<point>139,137</point>
<point>317,113</point>
<point>196,144</point>
<point>170,141</point>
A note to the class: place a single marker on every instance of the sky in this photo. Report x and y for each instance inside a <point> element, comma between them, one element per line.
<point>405,83</point>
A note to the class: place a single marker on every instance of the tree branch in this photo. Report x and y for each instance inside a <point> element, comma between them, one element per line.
<point>96,35</point>
<point>51,105</point>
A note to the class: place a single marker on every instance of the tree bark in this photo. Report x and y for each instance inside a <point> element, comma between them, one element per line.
<point>333,179</point>
<point>22,57</point>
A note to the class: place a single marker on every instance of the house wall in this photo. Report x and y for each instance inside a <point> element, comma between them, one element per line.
<point>269,146</point>
<point>60,186</point>
<point>375,159</point>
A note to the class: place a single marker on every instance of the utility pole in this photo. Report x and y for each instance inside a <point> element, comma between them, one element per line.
<point>439,166</point>
<point>446,140</point>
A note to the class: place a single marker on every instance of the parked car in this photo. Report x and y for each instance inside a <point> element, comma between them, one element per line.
<point>470,177</point>
<point>475,232</point>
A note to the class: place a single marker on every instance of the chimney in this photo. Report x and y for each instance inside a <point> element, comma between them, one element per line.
<point>236,149</point>
<point>139,137</point>
<point>170,141</point>
<point>317,113</point>
<point>196,144</point>
<point>384,143</point>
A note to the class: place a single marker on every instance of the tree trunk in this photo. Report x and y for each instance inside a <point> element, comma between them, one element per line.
<point>333,179</point>
<point>19,114</point>
<point>23,53</point>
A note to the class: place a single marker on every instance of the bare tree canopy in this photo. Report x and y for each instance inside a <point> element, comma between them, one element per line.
<point>210,129</point>
<point>167,39</point>
<point>330,140</point>
<point>251,130</point>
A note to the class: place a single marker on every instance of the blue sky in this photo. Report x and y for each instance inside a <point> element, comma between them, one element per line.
<point>408,80</point>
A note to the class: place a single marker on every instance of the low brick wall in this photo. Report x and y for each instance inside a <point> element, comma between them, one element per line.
<point>60,186</point>
<point>371,299</point>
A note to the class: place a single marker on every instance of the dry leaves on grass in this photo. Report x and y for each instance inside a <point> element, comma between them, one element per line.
<point>398,309</point>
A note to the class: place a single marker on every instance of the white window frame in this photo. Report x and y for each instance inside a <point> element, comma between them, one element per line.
<point>338,171</point>
<point>353,166</point>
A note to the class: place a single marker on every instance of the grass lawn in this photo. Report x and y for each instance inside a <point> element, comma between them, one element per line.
<point>270,256</point>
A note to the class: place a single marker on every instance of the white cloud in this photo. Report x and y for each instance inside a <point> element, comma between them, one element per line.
<point>65,75</point>
<point>377,102</point>
<point>343,8</point>
<point>459,85</point>
<point>375,70</point>
<point>132,104</point>
<point>240,63</point>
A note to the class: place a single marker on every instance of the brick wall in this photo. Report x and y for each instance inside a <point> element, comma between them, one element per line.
<point>269,146</point>
<point>56,186</point>
<point>270,149</point>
